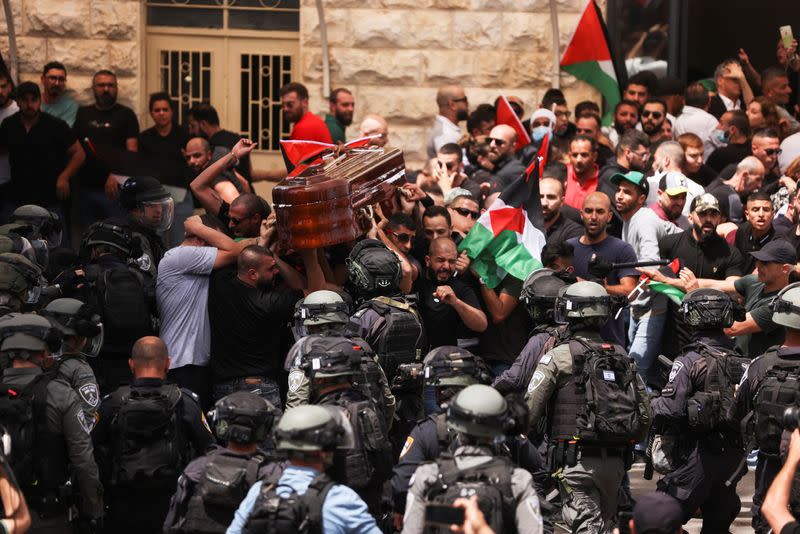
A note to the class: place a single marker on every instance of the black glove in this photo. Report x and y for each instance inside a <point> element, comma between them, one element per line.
<point>599,268</point>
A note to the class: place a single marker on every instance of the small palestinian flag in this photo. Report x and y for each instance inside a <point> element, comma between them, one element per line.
<point>674,294</point>
<point>504,239</point>
<point>505,115</point>
<point>588,57</point>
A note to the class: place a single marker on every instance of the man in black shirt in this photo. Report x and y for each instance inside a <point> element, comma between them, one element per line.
<point>733,129</point>
<point>43,153</point>
<point>160,149</point>
<point>450,309</point>
<point>108,131</point>
<point>730,193</point>
<point>247,315</point>
<point>557,226</point>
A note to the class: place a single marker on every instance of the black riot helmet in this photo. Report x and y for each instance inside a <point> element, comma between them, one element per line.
<point>148,202</point>
<point>449,365</point>
<point>710,309</point>
<point>110,233</point>
<point>539,293</point>
<point>373,269</point>
<point>243,417</point>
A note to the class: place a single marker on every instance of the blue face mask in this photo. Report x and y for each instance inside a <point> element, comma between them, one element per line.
<point>539,132</point>
<point>721,137</point>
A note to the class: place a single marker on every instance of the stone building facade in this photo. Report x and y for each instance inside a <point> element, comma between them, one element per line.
<point>392,54</point>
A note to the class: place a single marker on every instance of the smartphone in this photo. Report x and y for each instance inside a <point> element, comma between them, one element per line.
<point>786,36</point>
<point>443,516</point>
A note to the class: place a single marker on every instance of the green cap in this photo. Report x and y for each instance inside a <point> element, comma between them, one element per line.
<point>634,177</point>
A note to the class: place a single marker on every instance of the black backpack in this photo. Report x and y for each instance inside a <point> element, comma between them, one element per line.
<point>222,487</point>
<point>148,440</point>
<point>775,392</point>
<point>37,457</point>
<point>398,337</point>
<point>123,298</point>
<point>707,409</point>
<point>490,481</point>
<point>606,377</point>
<point>295,513</point>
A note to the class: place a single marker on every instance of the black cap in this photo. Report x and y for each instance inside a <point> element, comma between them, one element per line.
<point>777,251</point>
<point>657,513</point>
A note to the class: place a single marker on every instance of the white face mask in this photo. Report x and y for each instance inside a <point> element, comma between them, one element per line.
<point>539,132</point>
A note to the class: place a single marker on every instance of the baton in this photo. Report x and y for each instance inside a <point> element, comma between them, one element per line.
<point>634,264</point>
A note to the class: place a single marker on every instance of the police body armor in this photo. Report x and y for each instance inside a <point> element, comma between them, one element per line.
<point>149,446</point>
<point>774,393</point>
<point>301,514</point>
<point>222,487</point>
<point>491,482</point>
<point>599,404</point>
<point>38,456</point>
<point>399,338</point>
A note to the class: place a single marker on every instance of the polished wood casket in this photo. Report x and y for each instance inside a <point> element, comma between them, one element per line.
<point>315,205</point>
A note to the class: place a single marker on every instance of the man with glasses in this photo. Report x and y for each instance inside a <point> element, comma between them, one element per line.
<point>633,152</point>
<point>453,108</point>
<point>109,130</point>
<point>502,163</point>
<point>464,211</point>
<point>582,171</point>
<point>55,99</point>
<point>766,146</point>
<point>654,115</point>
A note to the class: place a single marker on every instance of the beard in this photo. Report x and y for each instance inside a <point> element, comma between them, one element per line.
<point>462,115</point>
<point>106,100</point>
<point>703,237</point>
<point>346,119</point>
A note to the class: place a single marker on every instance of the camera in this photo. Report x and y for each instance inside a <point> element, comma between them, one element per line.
<point>791,417</point>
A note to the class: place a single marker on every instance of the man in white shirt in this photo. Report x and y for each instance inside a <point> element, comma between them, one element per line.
<point>453,107</point>
<point>696,119</point>
<point>733,91</point>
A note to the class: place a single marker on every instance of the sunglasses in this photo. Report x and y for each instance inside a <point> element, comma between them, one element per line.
<point>655,114</point>
<point>464,212</point>
<point>496,141</point>
<point>773,151</point>
<point>403,238</point>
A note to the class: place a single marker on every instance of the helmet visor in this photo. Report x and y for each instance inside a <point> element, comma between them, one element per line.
<point>95,344</point>
<point>157,214</point>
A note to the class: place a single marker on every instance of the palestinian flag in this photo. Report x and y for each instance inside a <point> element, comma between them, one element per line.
<point>541,155</point>
<point>676,295</point>
<point>504,239</point>
<point>589,57</point>
<point>505,115</point>
<point>297,152</point>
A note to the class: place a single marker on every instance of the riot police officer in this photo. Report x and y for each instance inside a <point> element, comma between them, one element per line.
<point>770,384</point>
<point>321,321</point>
<point>150,210</point>
<point>539,292</point>
<point>691,413</point>
<point>83,337</point>
<point>19,283</point>
<point>147,433</point>
<point>599,407</point>
<point>304,493</point>
<point>447,369</point>
<point>479,416</point>
<point>212,486</point>
<point>45,460</point>
<point>45,225</point>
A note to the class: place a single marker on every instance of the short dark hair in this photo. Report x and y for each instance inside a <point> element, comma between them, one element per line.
<point>766,133</point>
<point>251,256</point>
<point>670,85</point>
<point>158,97</point>
<point>696,95</point>
<point>450,148</point>
<point>553,96</point>
<point>334,96</point>
<point>584,138</point>
<point>629,103</point>
<point>758,195</point>
<point>645,78</point>
<point>294,87</point>
<point>204,112</point>
<point>556,170</point>
<point>401,219</point>
<point>586,107</point>
<point>772,73</point>
<point>657,101</point>
<point>253,203</point>
<point>53,65</point>
<point>28,88</point>
<point>482,113</point>
<point>103,72</point>
<point>554,250</point>
<point>437,211</point>
<point>591,116</point>
<point>740,120</point>
<point>632,139</point>
<point>212,222</point>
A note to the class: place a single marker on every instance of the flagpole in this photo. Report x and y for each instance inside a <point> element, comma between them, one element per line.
<point>556,81</point>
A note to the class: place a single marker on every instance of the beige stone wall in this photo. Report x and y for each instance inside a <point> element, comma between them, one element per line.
<point>85,35</point>
<point>395,53</point>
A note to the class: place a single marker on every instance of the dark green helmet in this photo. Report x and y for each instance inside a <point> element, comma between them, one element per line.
<point>28,332</point>
<point>308,428</point>
<point>707,308</point>
<point>480,411</point>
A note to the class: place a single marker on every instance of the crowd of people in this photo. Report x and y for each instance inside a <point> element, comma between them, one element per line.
<point>179,368</point>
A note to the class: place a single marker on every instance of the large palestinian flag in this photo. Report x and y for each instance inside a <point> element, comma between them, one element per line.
<point>504,239</point>
<point>588,57</point>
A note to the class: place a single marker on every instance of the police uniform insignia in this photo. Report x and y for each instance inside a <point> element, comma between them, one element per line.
<point>547,358</point>
<point>89,394</point>
<point>295,380</point>
<point>407,446</point>
<point>222,426</point>
<point>86,424</point>
<point>536,381</point>
<point>676,368</point>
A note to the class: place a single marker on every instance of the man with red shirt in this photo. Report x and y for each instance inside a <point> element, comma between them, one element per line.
<point>582,171</point>
<point>307,126</point>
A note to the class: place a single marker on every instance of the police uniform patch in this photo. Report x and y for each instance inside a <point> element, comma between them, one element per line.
<point>86,425</point>
<point>205,422</point>
<point>547,358</point>
<point>295,380</point>
<point>676,368</point>
<point>407,446</point>
<point>90,394</point>
<point>536,381</point>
